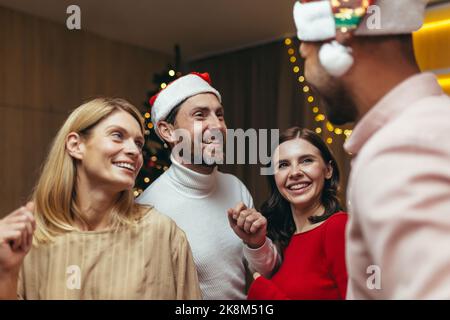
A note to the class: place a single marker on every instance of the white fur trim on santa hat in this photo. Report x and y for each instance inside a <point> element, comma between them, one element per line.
<point>314,21</point>
<point>175,93</point>
<point>394,17</point>
<point>336,58</point>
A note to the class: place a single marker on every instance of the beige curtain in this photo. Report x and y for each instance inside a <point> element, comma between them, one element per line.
<point>261,91</point>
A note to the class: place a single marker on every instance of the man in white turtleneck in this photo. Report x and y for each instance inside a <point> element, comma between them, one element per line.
<point>197,196</point>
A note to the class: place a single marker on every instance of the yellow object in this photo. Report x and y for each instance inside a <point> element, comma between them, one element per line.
<point>432,44</point>
<point>444,81</point>
<point>319,117</point>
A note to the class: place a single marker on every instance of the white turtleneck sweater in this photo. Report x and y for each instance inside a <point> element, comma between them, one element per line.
<point>198,203</point>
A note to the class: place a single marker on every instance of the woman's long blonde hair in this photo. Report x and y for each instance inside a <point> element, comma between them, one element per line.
<point>55,192</point>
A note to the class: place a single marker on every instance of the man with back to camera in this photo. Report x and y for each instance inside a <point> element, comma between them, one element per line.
<point>399,187</point>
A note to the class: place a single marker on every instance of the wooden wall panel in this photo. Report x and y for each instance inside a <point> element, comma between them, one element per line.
<point>47,70</point>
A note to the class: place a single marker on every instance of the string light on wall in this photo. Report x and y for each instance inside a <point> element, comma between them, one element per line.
<point>323,125</point>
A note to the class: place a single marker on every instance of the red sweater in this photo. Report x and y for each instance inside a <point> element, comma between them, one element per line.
<point>313,266</point>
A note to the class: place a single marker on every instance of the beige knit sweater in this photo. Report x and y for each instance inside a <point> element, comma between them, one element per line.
<point>152,260</point>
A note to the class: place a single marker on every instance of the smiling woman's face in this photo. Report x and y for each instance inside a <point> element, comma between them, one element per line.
<point>300,173</point>
<point>111,156</point>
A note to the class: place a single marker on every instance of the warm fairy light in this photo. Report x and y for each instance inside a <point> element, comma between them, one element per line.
<point>146,180</point>
<point>319,117</point>
<point>153,158</point>
<point>147,115</point>
<point>171,73</point>
<point>330,127</point>
<point>163,85</point>
<point>150,125</point>
<point>136,193</point>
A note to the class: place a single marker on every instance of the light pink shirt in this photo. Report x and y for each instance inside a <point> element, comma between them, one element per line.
<point>399,196</point>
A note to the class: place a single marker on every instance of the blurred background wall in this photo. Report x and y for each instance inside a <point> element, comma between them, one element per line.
<point>248,47</point>
<point>46,71</point>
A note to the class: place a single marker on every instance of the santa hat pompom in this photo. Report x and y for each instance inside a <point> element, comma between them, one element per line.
<point>205,76</point>
<point>153,99</point>
<point>336,58</point>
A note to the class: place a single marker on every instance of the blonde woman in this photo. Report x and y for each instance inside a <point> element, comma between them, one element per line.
<point>91,240</point>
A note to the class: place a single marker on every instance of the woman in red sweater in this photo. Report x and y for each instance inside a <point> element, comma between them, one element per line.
<point>305,221</point>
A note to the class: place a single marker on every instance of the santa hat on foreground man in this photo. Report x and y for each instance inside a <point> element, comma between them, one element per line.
<point>321,20</point>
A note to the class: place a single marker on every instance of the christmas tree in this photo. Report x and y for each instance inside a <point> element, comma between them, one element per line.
<point>155,152</point>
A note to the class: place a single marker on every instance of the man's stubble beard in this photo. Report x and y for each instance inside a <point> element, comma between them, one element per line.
<point>337,102</point>
<point>209,156</point>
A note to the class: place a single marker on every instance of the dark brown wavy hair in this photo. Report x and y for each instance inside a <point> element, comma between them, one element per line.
<point>277,209</point>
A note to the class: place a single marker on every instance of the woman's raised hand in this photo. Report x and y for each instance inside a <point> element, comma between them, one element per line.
<point>16,237</point>
<point>248,224</point>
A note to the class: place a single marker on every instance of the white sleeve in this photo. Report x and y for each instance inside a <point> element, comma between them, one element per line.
<point>263,259</point>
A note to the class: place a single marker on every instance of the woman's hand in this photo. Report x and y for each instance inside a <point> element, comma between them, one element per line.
<point>248,224</point>
<point>16,237</point>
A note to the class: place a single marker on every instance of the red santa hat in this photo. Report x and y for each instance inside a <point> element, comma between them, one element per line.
<point>176,92</point>
<point>320,20</point>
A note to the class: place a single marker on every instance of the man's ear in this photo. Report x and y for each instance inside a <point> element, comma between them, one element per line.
<point>166,131</point>
<point>74,145</point>
<point>329,172</point>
